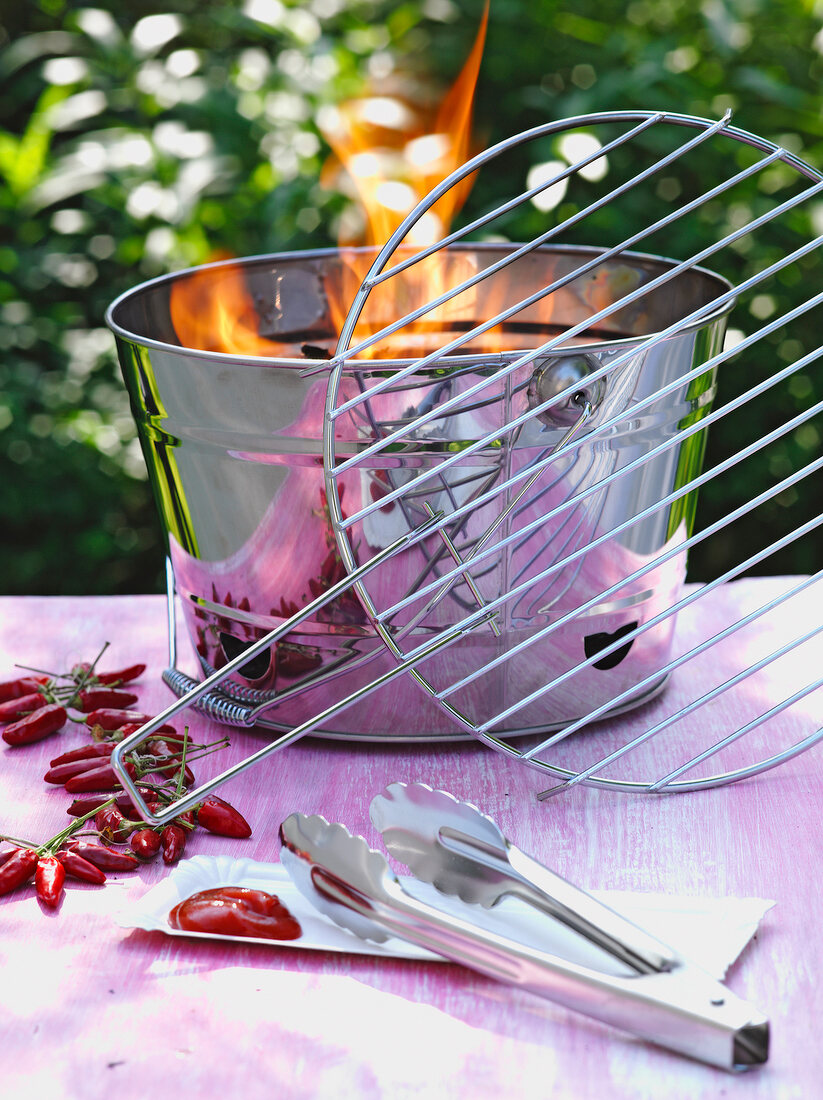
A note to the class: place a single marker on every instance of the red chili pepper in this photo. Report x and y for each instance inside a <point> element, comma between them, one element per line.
<point>332,570</point>
<point>133,727</point>
<point>145,843</point>
<point>17,869</point>
<point>84,752</point>
<point>97,779</point>
<point>112,825</point>
<point>78,867</point>
<point>123,800</point>
<point>122,676</point>
<point>173,839</point>
<point>286,609</point>
<point>109,719</point>
<point>165,752</point>
<point>23,685</point>
<point>38,725</point>
<point>48,880</point>
<point>295,660</point>
<point>101,856</point>
<point>173,773</point>
<point>92,699</point>
<point>222,818</point>
<point>60,773</point>
<point>159,747</point>
<point>6,856</point>
<point>82,806</point>
<point>380,487</point>
<point>13,709</point>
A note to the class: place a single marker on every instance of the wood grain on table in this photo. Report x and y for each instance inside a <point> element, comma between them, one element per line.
<point>90,1009</point>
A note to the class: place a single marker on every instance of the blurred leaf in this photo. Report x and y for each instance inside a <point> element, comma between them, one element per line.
<point>23,159</point>
<point>196,128</point>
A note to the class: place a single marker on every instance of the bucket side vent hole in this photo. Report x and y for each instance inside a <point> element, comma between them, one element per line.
<point>256,668</point>
<point>594,643</point>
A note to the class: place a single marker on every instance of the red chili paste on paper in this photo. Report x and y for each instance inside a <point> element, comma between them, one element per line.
<point>236,911</point>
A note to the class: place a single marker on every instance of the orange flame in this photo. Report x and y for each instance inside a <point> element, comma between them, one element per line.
<point>213,310</point>
<point>392,154</point>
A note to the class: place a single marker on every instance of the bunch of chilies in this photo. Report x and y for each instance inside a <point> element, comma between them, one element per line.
<point>36,705</point>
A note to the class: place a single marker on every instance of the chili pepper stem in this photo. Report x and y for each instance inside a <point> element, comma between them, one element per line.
<point>40,671</point>
<point>181,774</point>
<point>53,843</point>
<point>70,830</point>
<point>87,677</point>
<point>16,840</point>
<point>212,746</point>
<point>63,675</point>
<point>206,750</point>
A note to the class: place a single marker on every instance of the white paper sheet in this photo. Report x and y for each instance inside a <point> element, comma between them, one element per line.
<point>710,931</point>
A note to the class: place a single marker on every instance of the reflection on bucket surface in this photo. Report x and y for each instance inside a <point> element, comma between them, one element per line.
<point>233,447</point>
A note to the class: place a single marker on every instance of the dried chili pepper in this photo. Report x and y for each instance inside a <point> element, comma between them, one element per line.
<point>40,724</point>
<point>121,676</point>
<point>101,778</point>
<point>84,752</point>
<point>78,867</point>
<point>112,718</point>
<point>295,660</point>
<point>286,610</point>
<point>90,803</point>
<point>48,880</point>
<point>332,570</point>
<point>168,759</point>
<point>158,746</point>
<point>222,818</point>
<point>60,773</point>
<point>91,699</point>
<point>123,799</point>
<point>103,857</point>
<point>173,840</point>
<point>112,825</point>
<point>13,709</point>
<point>380,487</point>
<point>145,843</point>
<point>172,771</point>
<point>23,685</point>
<point>17,869</point>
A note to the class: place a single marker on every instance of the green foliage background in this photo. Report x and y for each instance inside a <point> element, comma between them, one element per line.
<point>134,140</point>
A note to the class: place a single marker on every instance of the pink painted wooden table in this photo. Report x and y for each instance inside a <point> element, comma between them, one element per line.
<point>90,1009</point>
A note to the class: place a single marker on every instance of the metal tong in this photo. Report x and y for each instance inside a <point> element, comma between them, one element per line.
<point>651,992</point>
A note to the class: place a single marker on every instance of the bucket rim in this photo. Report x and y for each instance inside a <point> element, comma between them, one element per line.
<point>387,364</point>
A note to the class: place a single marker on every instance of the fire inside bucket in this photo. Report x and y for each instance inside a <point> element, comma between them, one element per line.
<point>232,442</point>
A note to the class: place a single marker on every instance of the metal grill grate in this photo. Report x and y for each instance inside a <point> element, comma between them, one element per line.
<point>528,512</point>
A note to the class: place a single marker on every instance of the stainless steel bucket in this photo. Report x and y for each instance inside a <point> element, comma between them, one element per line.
<point>234,453</point>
